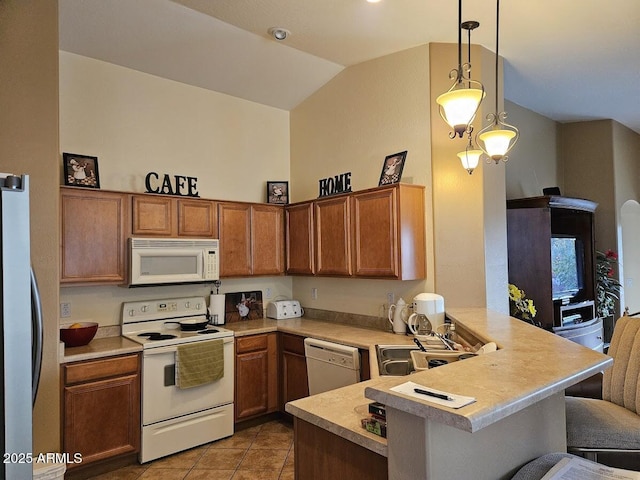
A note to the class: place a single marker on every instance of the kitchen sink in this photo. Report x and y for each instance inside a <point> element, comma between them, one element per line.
<point>395,359</point>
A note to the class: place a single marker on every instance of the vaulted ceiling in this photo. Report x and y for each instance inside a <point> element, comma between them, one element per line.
<point>564,59</point>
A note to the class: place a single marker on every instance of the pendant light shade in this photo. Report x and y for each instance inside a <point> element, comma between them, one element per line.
<point>497,142</point>
<point>459,104</point>
<point>470,159</point>
<point>497,138</point>
<point>459,107</point>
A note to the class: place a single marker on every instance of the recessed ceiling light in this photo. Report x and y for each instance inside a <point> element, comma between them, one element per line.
<point>279,33</point>
<point>373,1</point>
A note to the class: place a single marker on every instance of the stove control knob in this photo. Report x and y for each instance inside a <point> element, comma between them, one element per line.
<point>144,308</point>
<point>132,312</point>
<point>198,306</point>
<point>187,305</point>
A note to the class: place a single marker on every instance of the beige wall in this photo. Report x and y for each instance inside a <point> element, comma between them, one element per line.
<point>136,123</point>
<point>533,162</point>
<point>29,144</point>
<point>588,170</point>
<point>600,162</point>
<point>365,113</point>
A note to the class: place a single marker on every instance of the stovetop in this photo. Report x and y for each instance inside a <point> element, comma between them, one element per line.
<point>153,323</point>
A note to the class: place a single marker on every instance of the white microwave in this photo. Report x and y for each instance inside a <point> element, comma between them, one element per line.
<point>154,261</point>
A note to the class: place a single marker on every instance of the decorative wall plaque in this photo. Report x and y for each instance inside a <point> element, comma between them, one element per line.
<point>335,185</point>
<point>178,185</point>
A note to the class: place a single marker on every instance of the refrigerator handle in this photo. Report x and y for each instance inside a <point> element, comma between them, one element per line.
<point>37,334</point>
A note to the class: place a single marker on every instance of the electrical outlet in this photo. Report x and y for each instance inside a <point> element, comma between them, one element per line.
<point>267,293</point>
<point>314,294</point>
<point>390,298</point>
<point>65,310</point>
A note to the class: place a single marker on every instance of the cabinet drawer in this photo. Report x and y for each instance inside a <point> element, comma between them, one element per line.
<point>251,343</point>
<point>97,369</point>
<point>293,343</point>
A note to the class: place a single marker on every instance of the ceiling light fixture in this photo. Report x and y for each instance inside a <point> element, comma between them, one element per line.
<point>279,33</point>
<point>470,157</point>
<point>458,106</point>
<point>497,138</point>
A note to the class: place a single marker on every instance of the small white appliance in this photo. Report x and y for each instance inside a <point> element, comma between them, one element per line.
<point>282,309</point>
<point>156,261</point>
<point>431,305</point>
<point>175,419</point>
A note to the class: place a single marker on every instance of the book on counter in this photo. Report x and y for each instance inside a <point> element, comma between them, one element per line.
<point>376,422</point>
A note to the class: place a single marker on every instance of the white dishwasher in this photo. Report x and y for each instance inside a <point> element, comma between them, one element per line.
<point>330,365</point>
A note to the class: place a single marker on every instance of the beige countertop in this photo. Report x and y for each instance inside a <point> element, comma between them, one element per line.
<point>99,348</point>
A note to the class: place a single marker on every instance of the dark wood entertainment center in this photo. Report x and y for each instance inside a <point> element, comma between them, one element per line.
<point>531,224</point>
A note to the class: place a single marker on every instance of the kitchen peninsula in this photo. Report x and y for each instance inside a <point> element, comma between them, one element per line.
<point>518,414</point>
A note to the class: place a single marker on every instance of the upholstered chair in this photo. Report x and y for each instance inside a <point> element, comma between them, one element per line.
<point>611,425</point>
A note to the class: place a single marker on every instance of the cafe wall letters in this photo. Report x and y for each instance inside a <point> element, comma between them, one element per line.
<point>178,185</point>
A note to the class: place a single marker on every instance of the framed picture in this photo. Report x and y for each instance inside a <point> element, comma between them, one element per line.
<point>392,168</point>
<point>278,192</point>
<point>80,170</point>
<point>240,306</point>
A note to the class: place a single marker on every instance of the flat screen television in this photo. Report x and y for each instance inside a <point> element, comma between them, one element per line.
<point>567,266</point>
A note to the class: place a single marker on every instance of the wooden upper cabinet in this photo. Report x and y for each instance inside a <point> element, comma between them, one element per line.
<point>152,215</point>
<point>93,236</point>
<point>267,240</point>
<point>251,239</point>
<point>375,233</point>
<point>234,223</point>
<point>332,236</point>
<point>197,218</point>
<point>299,238</point>
<point>173,217</point>
<point>389,232</point>
<point>375,237</point>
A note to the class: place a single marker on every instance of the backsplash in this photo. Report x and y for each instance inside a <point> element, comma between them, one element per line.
<point>365,321</point>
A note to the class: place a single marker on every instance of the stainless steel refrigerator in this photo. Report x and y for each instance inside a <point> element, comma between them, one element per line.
<point>21,322</point>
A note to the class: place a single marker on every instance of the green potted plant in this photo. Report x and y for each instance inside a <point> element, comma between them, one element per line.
<point>607,286</point>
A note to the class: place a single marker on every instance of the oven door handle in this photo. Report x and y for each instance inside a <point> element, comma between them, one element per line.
<point>159,350</point>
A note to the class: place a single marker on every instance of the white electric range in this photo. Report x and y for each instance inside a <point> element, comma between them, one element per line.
<point>175,419</point>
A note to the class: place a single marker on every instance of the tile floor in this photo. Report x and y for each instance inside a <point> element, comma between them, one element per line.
<point>264,452</point>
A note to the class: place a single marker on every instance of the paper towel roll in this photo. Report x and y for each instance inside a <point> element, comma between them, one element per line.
<point>216,309</point>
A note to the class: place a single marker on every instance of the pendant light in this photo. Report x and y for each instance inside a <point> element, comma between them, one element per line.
<point>497,138</point>
<point>458,106</point>
<point>470,157</point>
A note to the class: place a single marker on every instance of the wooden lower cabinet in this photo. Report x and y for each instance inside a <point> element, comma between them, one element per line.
<point>101,408</point>
<point>256,380</point>
<point>293,376</point>
<point>321,454</point>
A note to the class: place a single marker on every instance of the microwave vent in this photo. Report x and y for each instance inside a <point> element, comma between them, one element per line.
<point>173,242</point>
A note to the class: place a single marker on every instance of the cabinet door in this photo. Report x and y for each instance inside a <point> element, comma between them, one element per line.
<point>153,216</point>
<point>235,239</point>
<point>102,419</point>
<point>332,239</point>
<point>93,236</point>
<point>294,378</point>
<point>267,240</point>
<point>197,218</point>
<point>375,245</point>
<point>256,376</point>
<point>299,238</point>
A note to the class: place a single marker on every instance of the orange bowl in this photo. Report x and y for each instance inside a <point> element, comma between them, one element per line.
<point>78,335</point>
